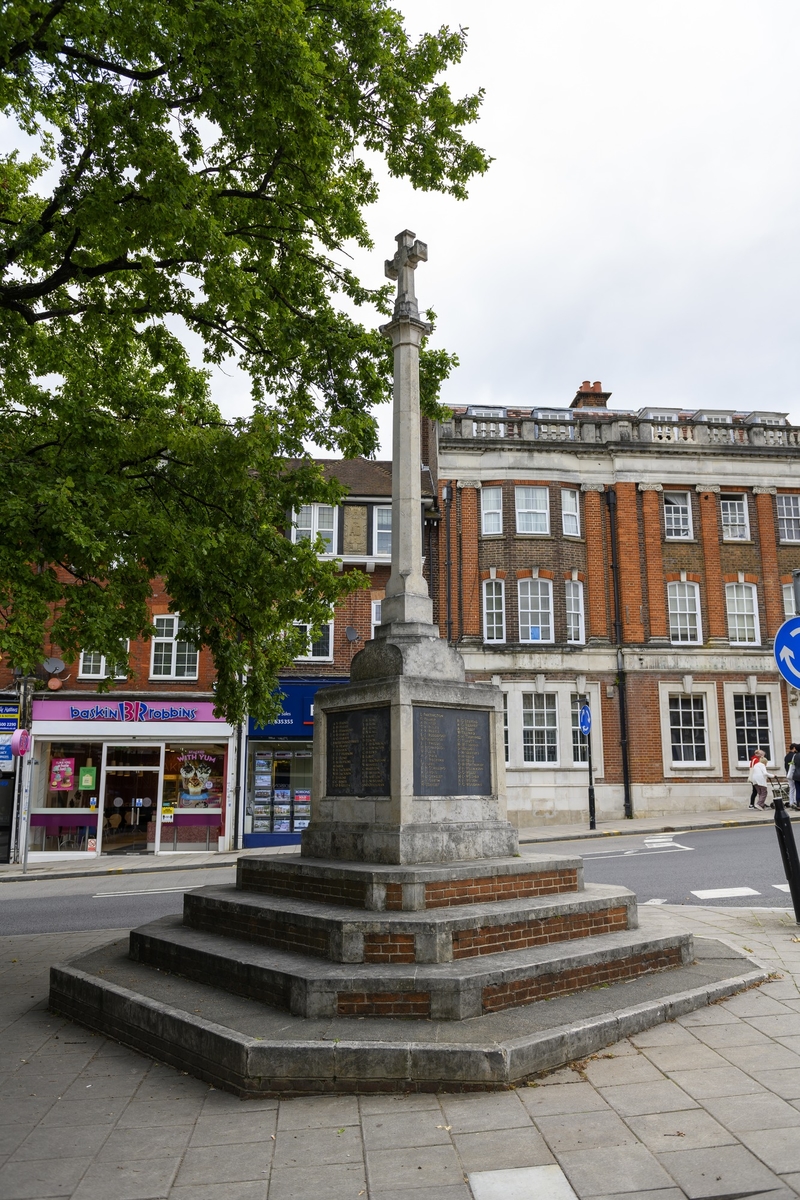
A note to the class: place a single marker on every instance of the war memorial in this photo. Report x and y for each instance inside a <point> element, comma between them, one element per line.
<point>408,946</point>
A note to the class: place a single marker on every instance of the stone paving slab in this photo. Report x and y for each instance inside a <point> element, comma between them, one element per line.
<point>82,1117</point>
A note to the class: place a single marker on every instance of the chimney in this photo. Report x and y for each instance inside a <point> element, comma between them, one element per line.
<point>591,395</point>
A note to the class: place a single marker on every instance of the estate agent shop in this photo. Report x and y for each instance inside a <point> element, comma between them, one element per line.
<point>128,777</point>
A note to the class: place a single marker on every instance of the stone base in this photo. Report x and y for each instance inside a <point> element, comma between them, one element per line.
<point>407,844</point>
<point>241,1045</point>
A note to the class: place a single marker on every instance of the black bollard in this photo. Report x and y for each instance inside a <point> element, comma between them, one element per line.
<point>788,849</point>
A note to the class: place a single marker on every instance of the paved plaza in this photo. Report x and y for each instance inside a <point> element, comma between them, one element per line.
<point>704,1107</point>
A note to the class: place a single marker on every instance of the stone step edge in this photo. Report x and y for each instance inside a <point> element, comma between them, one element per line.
<point>427,885</point>
<point>317,988</point>
<point>356,935</point>
<point>254,1068</point>
<point>509,964</point>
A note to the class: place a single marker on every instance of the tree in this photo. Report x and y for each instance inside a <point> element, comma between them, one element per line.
<point>196,166</point>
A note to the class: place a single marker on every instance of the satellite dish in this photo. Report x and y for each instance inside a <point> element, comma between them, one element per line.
<point>351,634</point>
<point>53,666</point>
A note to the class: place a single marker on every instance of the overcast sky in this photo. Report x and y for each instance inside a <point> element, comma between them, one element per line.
<point>641,222</point>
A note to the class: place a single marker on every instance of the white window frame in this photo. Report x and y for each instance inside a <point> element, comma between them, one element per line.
<point>299,533</point>
<point>491,511</point>
<point>692,703</point>
<point>713,767</point>
<point>173,639</point>
<point>571,512</point>
<point>788,600</point>
<point>788,511</point>
<point>759,741</point>
<point>735,593</point>
<point>376,551</point>
<point>774,709</point>
<point>496,586</point>
<point>675,611</point>
<point>726,500</point>
<point>521,776</point>
<point>310,657</point>
<point>542,586</point>
<point>531,511</point>
<point>103,672</point>
<point>573,591</point>
<point>685,532</point>
<point>580,742</point>
<point>376,615</point>
<point>537,705</point>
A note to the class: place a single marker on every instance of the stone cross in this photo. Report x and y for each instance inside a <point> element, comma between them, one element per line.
<point>401,267</point>
<point>407,601</point>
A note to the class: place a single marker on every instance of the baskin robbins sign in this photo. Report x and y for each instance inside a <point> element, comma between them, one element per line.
<point>129,712</point>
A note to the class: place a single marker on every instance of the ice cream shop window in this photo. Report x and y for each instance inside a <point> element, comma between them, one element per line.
<point>65,798</point>
<point>194,777</point>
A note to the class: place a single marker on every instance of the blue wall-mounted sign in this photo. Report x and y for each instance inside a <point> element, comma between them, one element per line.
<point>297,718</point>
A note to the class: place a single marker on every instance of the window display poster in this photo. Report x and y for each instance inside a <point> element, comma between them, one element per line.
<point>87,779</point>
<point>281,825</point>
<point>62,774</point>
<point>199,775</point>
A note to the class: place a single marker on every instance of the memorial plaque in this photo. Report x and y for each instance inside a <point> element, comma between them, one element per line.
<point>359,753</point>
<point>452,755</point>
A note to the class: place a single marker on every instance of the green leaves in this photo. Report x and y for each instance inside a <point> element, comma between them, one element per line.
<point>198,166</point>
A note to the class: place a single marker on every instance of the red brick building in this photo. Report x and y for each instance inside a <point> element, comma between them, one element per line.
<point>643,557</point>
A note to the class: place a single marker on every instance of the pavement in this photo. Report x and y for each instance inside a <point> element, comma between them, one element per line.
<point>146,863</point>
<point>706,1106</point>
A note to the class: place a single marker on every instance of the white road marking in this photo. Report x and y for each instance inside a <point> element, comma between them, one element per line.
<point>674,848</point>
<point>782,887</point>
<point>722,893</point>
<point>148,891</point>
<point>656,901</point>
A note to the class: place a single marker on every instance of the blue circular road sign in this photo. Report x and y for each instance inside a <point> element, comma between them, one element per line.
<point>787,651</point>
<point>585,720</point>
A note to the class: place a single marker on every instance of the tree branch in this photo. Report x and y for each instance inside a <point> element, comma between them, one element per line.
<point>115,68</point>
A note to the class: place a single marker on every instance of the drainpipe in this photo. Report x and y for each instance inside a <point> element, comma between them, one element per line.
<point>447,496</point>
<point>611,497</point>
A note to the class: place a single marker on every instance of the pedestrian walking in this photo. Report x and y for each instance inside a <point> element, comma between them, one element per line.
<point>791,771</point>
<point>759,776</point>
<point>754,757</point>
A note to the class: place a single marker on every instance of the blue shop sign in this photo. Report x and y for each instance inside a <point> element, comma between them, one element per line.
<point>9,722</point>
<point>297,717</point>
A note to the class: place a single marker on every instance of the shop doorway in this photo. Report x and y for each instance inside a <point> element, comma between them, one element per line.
<point>132,782</point>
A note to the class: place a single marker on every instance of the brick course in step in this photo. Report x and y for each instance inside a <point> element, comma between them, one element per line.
<point>349,892</point>
<point>444,893</point>
<point>389,948</point>
<point>265,932</point>
<point>383,1004</point>
<point>524,991</point>
<point>467,943</point>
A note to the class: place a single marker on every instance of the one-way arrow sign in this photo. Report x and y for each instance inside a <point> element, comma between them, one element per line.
<point>787,651</point>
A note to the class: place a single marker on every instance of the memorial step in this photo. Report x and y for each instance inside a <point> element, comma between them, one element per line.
<point>410,888</point>
<point>352,935</point>
<point>456,991</point>
<point>251,1050</point>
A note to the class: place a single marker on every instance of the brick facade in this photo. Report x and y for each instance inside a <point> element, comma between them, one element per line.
<point>693,639</point>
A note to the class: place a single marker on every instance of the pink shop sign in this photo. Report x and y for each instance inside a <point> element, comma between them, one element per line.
<point>124,711</point>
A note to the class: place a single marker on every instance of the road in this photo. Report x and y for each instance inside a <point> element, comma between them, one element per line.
<point>666,868</point>
<point>101,902</point>
<point>672,868</point>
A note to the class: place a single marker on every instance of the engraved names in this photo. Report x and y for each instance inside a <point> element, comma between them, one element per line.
<point>451,752</point>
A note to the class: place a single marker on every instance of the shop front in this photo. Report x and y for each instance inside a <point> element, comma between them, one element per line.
<point>279,759</point>
<point>128,777</point>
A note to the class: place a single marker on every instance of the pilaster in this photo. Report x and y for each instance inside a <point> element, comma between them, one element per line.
<point>715,588</point>
<point>773,598</point>
<point>654,561</point>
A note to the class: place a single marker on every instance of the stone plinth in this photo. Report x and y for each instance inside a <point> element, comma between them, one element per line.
<point>408,758</point>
